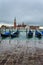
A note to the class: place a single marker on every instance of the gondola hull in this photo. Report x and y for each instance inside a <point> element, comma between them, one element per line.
<point>41,33</point>
<point>15,34</point>
<point>38,34</point>
<point>30,34</point>
<point>5,35</point>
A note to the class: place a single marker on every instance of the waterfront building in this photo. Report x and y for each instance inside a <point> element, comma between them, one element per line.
<point>34,27</point>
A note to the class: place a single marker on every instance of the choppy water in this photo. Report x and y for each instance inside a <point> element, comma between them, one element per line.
<point>21,41</point>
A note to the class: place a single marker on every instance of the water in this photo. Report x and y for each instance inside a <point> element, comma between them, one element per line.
<point>20,43</point>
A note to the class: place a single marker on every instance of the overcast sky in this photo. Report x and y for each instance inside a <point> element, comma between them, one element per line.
<point>28,11</point>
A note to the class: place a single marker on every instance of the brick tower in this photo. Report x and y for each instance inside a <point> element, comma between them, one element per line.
<point>15,23</point>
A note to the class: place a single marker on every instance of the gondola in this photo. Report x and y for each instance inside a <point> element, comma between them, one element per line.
<point>38,34</point>
<point>15,34</point>
<point>41,32</point>
<point>5,35</point>
<point>29,34</point>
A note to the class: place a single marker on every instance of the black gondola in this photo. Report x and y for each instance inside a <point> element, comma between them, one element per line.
<point>38,34</point>
<point>29,34</point>
<point>5,35</point>
<point>15,34</point>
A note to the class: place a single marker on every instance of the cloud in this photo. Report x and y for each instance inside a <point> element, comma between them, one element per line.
<point>24,10</point>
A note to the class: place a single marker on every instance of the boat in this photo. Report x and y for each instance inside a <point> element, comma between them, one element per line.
<point>15,34</point>
<point>41,32</point>
<point>5,35</point>
<point>38,34</point>
<point>29,34</point>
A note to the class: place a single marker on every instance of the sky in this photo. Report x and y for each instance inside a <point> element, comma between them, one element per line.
<point>27,11</point>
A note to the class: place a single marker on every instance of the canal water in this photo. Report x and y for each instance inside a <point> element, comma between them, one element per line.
<point>20,43</point>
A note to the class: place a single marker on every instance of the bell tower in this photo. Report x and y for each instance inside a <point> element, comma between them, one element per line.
<point>15,23</point>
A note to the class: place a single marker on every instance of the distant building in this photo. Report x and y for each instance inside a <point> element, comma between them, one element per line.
<point>15,23</point>
<point>27,27</point>
<point>3,26</point>
<point>6,26</point>
<point>34,27</point>
<point>21,26</point>
<point>41,28</point>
